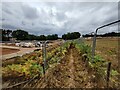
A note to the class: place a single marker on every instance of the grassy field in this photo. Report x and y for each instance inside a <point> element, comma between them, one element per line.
<point>107,48</point>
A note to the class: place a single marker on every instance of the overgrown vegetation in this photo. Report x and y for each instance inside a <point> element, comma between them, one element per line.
<point>31,64</point>
<point>56,55</point>
<point>98,63</point>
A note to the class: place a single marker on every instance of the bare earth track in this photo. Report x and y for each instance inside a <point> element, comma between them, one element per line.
<point>70,73</point>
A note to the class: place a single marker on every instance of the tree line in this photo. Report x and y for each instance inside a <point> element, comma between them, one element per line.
<point>24,35</point>
<point>110,34</point>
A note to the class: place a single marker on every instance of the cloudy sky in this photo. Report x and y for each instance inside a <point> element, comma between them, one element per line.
<point>58,17</point>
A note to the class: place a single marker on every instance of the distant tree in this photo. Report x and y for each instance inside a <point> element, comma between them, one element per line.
<point>110,34</point>
<point>6,34</point>
<point>52,37</point>
<point>20,34</point>
<point>64,36</point>
<point>55,36</point>
<point>88,35</point>
<point>31,37</point>
<point>3,35</point>
<point>76,34</point>
<point>69,36</point>
<point>42,37</point>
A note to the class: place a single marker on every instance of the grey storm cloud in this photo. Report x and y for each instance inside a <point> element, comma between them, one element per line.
<point>8,26</point>
<point>58,17</point>
<point>29,12</point>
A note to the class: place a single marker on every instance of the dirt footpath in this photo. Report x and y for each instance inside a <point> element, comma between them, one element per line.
<point>70,73</point>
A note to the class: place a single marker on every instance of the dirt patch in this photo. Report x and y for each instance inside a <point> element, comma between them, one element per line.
<point>72,68</point>
<point>8,51</point>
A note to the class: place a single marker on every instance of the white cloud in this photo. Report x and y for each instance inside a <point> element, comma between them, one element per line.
<point>58,17</point>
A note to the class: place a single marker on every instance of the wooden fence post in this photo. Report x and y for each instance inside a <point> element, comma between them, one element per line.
<point>61,48</point>
<point>43,58</point>
<point>108,74</point>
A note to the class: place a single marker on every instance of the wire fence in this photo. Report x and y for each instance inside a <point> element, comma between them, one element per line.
<point>106,75</point>
<point>109,69</point>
